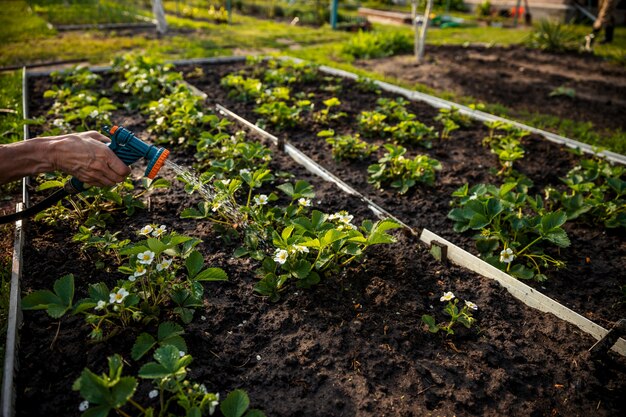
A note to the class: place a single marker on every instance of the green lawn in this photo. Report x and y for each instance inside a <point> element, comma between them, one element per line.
<point>26,38</point>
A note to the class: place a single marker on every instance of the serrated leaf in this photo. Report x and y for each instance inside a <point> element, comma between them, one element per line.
<point>123,390</point>
<point>286,188</point>
<point>212,274</point>
<point>156,246</point>
<point>521,272</point>
<point>142,345</point>
<point>153,370</point>
<point>431,323</point>
<point>558,237</point>
<point>39,300</point>
<point>551,221</point>
<point>64,289</point>
<point>301,269</point>
<point>194,263</point>
<point>99,291</point>
<point>235,404</point>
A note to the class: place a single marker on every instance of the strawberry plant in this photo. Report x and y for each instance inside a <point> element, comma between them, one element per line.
<point>155,280</point>
<point>463,315</point>
<point>372,124</point>
<point>596,191</point>
<point>349,147</point>
<point>326,115</point>
<point>514,229</point>
<point>241,88</point>
<point>312,246</point>
<point>114,391</point>
<point>400,172</point>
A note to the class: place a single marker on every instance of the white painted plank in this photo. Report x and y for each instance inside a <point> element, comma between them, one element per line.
<point>521,291</point>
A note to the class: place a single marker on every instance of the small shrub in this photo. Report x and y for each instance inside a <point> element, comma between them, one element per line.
<point>553,37</point>
<point>368,45</point>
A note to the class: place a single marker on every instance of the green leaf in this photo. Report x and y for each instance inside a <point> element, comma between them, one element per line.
<point>235,404</point>
<point>212,274</point>
<point>50,184</point>
<point>156,246</point>
<point>286,188</point>
<point>431,323</point>
<point>142,345</point>
<point>123,391</point>
<point>558,237</point>
<point>39,300</point>
<point>331,236</point>
<point>97,411</point>
<point>551,221</point>
<point>521,272</point>
<point>487,246</point>
<point>268,286</point>
<point>301,269</point>
<point>169,329</point>
<point>64,288</point>
<point>194,263</point>
<point>153,370</point>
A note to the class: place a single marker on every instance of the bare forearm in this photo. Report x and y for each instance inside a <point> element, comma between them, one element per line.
<point>83,155</point>
<point>25,158</point>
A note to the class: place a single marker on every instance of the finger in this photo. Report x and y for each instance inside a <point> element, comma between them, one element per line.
<point>117,166</point>
<point>97,136</point>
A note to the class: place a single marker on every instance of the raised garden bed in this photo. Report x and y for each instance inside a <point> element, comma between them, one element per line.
<point>352,345</point>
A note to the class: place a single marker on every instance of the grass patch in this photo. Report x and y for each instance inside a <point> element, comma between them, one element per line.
<point>86,12</point>
<point>10,99</point>
<point>19,23</point>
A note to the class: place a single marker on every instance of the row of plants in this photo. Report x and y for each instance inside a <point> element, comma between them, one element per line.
<point>281,109</point>
<point>274,225</point>
<point>516,231</point>
<point>149,282</point>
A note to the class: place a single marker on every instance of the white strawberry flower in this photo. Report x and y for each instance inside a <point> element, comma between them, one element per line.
<point>345,218</point>
<point>146,257</point>
<point>304,202</point>
<point>159,121</point>
<point>164,264</point>
<point>471,305</point>
<point>153,394</point>
<point>100,305</point>
<point>83,406</point>
<point>244,171</point>
<point>261,199</point>
<point>147,89</point>
<point>507,256</point>
<point>94,114</point>
<point>300,249</point>
<point>447,296</point>
<point>181,353</point>
<point>281,256</point>
<point>146,230</point>
<point>214,404</point>
<point>118,297</point>
<point>158,232</point>
<point>141,270</point>
<point>215,206</point>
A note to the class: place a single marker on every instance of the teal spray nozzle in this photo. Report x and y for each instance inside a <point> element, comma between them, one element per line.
<point>126,146</point>
<point>129,148</point>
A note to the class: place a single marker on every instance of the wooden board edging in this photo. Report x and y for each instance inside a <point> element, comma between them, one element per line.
<point>521,291</point>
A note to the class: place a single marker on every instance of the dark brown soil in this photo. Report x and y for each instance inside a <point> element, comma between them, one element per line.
<point>354,345</point>
<point>520,79</point>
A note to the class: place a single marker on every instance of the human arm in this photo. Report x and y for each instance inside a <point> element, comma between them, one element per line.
<point>83,155</point>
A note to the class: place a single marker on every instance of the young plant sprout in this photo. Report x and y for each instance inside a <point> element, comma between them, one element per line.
<point>463,315</point>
